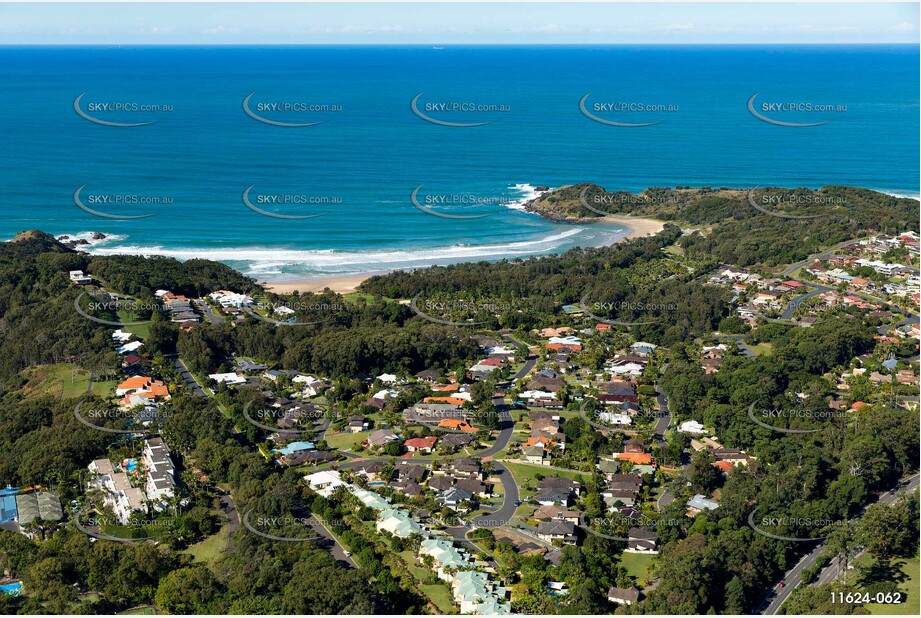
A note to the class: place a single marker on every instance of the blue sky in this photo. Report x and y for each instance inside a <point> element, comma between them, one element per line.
<point>457,23</point>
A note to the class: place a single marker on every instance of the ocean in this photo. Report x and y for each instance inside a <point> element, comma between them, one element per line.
<point>367,148</point>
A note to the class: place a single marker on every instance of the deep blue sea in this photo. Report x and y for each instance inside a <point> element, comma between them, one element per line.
<point>359,167</point>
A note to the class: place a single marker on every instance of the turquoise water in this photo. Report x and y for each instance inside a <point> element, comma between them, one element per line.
<point>130,465</point>
<point>14,590</point>
<point>371,151</point>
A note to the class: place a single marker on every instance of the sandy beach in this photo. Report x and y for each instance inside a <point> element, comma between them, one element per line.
<point>348,283</point>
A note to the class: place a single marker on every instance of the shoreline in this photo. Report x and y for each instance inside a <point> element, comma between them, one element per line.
<point>636,227</point>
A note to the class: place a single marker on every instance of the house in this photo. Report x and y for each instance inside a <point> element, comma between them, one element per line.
<point>248,366</point>
<point>642,541</point>
<point>428,375</point>
<point>231,299</point>
<point>640,459</point>
<point>535,455</point>
<point>440,483</point>
<point>557,482</point>
<point>474,486</point>
<point>433,413</point>
<point>325,482</point>
<point>551,511</point>
<point>357,424</point>
<point>699,503</point>
<point>78,278</point>
<point>550,496</point>
<point>453,424</point>
<point>398,523</point>
<point>623,596</point>
<point>446,559</point>
<point>382,437</point>
<point>453,497</point>
<point>465,467</point>
<point>43,505</point>
<point>425,444</point>
<point>227,378</point>
<point>457,440</point>
<point>557,530</point>
<point>643,349</point>
<point>546,383</point>
<point>732,456</point>
<point>692,427</point>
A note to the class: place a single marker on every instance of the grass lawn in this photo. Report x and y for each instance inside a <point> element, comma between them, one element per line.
<point>762,349</point>
<point>909,586</point>
<point>346,440</point>
<point>139,611</point>
<point>142,331</point>
<point>61,380</point>
<point>636,564</point>
<point>210,549</point>
<point>439,594</point>
<point>526,474</point>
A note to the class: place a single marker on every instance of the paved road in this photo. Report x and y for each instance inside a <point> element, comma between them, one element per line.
<point>794,576</point>
<point>330,544</point>
<point>208,312</point>
<point>666,419</point>
<point>187,376</point>
<point>503,515</point>
<point>229,508</point>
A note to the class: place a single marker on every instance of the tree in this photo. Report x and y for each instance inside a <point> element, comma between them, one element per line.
<point>189,590</point>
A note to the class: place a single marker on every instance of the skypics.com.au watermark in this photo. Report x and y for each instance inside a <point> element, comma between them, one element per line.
<point>782,527</point>
<point>261,414</point>
<point>639,528</point>
<point>617,113</point>
<point>297,313</point>
<point>787,204</point>
<point>458,311</point>
<point>137,528</point>
<point>289,113</point>
<point>640,312</point>
<point>771,112</point>
<point>431,203</point>
<point>139,422</point>
<point>620,198</point>
<point>261,202</point>
<point>91,203</point>
<point>110,305</point>
<point>115,113</point>
<point>437,112</point>
<point>769,418</point>
<point>286,528</point>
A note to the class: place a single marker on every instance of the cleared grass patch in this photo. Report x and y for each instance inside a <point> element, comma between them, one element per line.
<point>209,550</point>
<point>63,380</point>
<point>636,564</point>
<point>346,440</point>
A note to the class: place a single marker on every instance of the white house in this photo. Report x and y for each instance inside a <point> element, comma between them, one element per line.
<point>325,482</point>
<point>227,378</point>
<point>691,427</point>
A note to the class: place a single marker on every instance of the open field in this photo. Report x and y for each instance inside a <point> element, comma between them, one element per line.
<point>63,380</point>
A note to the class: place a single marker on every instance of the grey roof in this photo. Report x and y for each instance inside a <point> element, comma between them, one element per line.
<point>43,504</point>
<point>556,527</point>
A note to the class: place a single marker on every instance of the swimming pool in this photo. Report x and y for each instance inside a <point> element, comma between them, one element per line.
<point>130,465</point>
<point>14,589</point>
